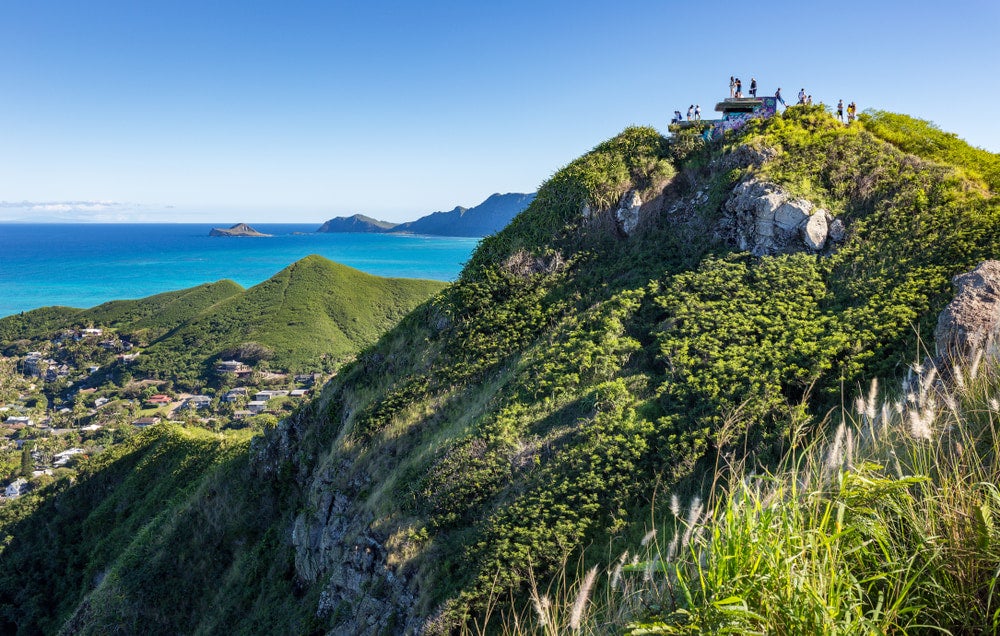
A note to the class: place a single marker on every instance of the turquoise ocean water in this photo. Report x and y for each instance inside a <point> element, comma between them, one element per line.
<point>83,265</point>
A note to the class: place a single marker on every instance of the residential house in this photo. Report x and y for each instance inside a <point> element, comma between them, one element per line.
<point>101,401</point>
<point>232,366</point>
<point>234,395</point>
<point>143,422</point>
<point>158,400</point>
<point>198,402</point>
<point>241,414</point>
<point>34,364</point>
<point>53,373</point>
<point>19,421</point>
<point>257,406</point>
<point>61,459</point>
<point>269,394</point>
<point>299,393</point>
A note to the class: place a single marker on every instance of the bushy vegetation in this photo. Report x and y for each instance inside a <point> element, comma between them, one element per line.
<point>171,532</point>
<point>535,412</point>
<point>888,524</point>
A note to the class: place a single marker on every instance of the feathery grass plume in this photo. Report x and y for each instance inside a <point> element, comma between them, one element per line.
<point>952,404</point>
<point>870,402</point>
<point>616,576</point>
<point>647,573</point>
<point>849,445</point>
<point>977,359</point>
<point>675,505</point>
<point>957,377</point>
<point>920,424</point>
<point>694,513</point>
<point>835,456</point>
<point>646,538</point>
<point>927,383</point>
<point>995,405</point>
<point>542,606</point>
<point>859,405</point>
<point>673,547</point>
<point>576,615</point>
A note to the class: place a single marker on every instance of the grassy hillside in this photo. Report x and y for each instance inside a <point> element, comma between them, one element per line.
<point>545,407</point>
<point>311,315</point>
<point>148,538</point>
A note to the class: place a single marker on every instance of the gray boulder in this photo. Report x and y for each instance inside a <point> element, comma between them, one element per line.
<point>815,231</point>
<point>971,321</point>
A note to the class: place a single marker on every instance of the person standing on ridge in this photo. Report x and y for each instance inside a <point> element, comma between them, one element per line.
<point>732,86</point>
<point>840,111</point>
<point>690,112</point>
<point>697,112</point>
<point>851,112</point>
<point>802,96</point>
<point>777,96</point>
<point>809,100</point>
<point>739,88</point>
<point>753,87</point>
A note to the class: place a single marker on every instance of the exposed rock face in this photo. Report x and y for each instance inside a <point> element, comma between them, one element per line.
<point>815,231</point>
<point>971,321</point>
<point>240,229</point>
<point>745,156</point>
<point>627,214</point>
<point>765,219</point>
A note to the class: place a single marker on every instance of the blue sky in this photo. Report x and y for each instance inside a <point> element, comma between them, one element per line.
<point>222,111</point>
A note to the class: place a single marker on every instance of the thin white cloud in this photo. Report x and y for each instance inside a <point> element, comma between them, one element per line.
<point>82,211</point>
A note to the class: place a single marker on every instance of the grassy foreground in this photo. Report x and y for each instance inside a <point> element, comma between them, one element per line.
<point>889,525</point>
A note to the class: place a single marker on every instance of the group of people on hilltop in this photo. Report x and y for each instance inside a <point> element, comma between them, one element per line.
<point>736,91</point>
<point>852,111</point>
<point>693,114</point>
<point>736,87</point>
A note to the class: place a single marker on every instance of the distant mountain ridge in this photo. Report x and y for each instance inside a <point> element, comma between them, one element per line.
<point>489,217</point>
<point>356,223</point>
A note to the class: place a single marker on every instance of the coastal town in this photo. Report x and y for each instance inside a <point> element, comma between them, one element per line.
<point>69,397</point>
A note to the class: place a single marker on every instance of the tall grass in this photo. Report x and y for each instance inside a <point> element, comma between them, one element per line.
<point>890,524</point>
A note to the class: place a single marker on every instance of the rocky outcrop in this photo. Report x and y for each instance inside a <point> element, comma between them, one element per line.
<point>627,213</point>
<point>361,589</point>
<point>971,321</point>
<point>763,218</point>
<point>240,229</point>
<point>745,157</point>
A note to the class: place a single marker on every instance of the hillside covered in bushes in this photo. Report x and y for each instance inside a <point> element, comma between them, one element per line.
<point>663,308</point>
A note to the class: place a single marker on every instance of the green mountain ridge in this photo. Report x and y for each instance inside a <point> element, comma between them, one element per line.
<point>542,409</point>
<point>311,315</point>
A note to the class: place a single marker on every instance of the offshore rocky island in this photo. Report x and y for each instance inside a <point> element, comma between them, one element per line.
<point>701,383</point>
